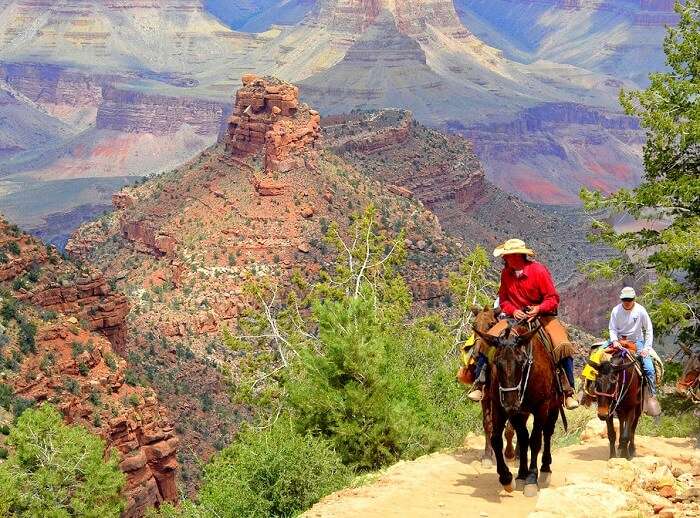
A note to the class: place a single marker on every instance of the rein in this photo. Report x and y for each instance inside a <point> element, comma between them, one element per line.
<point>524,380</point>
<point>618,395</point>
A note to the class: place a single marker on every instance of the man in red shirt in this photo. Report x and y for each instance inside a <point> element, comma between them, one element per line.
<point>527,292</point>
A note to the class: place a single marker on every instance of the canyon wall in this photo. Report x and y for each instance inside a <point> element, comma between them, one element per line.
<point>139,112</point>
<point>80,325</point>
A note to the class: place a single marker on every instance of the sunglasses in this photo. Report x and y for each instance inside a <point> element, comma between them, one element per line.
<point>627,300</point>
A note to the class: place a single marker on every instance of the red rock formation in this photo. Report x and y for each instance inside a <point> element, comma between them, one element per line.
<point>89,299</point>
<point>73,364</point>
<point>269,119</point>
<point>128,418</point>
<point>146,238</point>
<point>122,200</point>
<point>370,140</point>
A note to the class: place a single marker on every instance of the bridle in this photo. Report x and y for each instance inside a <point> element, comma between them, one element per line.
<point>524,377</point>
<point>617,395</point>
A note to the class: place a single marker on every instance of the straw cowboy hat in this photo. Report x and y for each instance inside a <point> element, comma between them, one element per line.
<point>512,246</point>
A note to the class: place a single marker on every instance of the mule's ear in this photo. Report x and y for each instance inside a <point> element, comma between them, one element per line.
<point>489,339</point>
<point>475,310</point>
<point>523,339</point>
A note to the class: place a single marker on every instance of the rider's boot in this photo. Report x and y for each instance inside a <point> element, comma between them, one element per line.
<point>476,394</point>
<point>567,364</point>
<point>651,404</point>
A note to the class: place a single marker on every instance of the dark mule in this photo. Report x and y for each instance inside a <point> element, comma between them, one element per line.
<point>484,320</point>
<point>523,382</point>
<point>618,389</point>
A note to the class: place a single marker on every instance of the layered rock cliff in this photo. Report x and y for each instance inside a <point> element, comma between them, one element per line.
<point>444,173</point>
<point>139,112</point>
<point>412,17</point>
<point>62,326</point>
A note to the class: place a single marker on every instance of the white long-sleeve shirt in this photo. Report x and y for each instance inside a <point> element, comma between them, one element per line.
<point>635,324</point>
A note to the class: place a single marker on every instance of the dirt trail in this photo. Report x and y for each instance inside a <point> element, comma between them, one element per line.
<point>456,484</point>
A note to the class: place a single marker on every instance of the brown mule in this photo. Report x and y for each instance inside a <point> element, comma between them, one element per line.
<point>523,382</point>
<point>618,389</point>
<point>484,320</point>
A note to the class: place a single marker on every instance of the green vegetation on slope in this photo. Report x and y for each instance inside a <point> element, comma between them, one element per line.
<point>55,470</point>
<point>351,382</point>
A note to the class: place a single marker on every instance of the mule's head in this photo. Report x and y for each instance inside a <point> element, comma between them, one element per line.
<point>511,365</point>
<point>606,384</point>
<point>484,319</point>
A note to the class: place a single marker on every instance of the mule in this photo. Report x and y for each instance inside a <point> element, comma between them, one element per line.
<point>523,382</point>
<point>618,390</point>
<point>483,321</point>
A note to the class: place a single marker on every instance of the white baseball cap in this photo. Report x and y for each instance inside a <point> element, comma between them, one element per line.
<point>628,293</point>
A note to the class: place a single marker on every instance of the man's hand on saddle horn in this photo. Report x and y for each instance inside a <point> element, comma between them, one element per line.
<point>532,313</point>
<point>519,314</point>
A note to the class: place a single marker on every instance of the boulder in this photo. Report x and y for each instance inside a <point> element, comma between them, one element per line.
<point>622,474</point>
<point>586,500</point>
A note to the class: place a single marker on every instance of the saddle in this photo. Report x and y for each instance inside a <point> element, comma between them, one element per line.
<point>549,347</point>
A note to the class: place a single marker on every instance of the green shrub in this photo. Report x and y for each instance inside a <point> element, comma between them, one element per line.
<point>58,470</point>
<point>9,309</point>
<point>111,362</point>
<point>275,472</point>
<point>376,394</point>
<point>7,396</point>
<point>83,369</point>
<point>676,421</point>
<point>71,385</point>
<point>27,337</point>
<point>13,248</point>
<point>3,454</point>
<point>19,283</point>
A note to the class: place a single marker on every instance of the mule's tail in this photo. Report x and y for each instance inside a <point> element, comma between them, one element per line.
<point>563,419</point>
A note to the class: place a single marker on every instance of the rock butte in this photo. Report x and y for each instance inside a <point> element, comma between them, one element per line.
<point>269,119</point>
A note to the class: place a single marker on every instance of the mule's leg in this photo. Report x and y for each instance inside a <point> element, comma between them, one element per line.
<point>612,436</point>
<point>633,429</point>
<point>510,451</point>
<point>546,469</point>
<point>505,477</point>
<point>487,421</point>
<point>531,488</point>
<point>625,425</point>
<point>520,428</point>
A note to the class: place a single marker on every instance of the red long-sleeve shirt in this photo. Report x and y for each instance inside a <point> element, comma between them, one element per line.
<point>534,287</point>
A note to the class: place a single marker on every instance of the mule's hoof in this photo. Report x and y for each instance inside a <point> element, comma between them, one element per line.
<point>519,484</point>
<point>544,479</point>
<point>509,487</point>
<point>486,463</point>
<point>530,490</point>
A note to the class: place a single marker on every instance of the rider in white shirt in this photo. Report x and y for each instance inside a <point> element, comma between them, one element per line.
<point>629,320</point>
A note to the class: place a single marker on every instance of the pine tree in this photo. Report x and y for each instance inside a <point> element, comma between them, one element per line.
<point>668,198</point>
